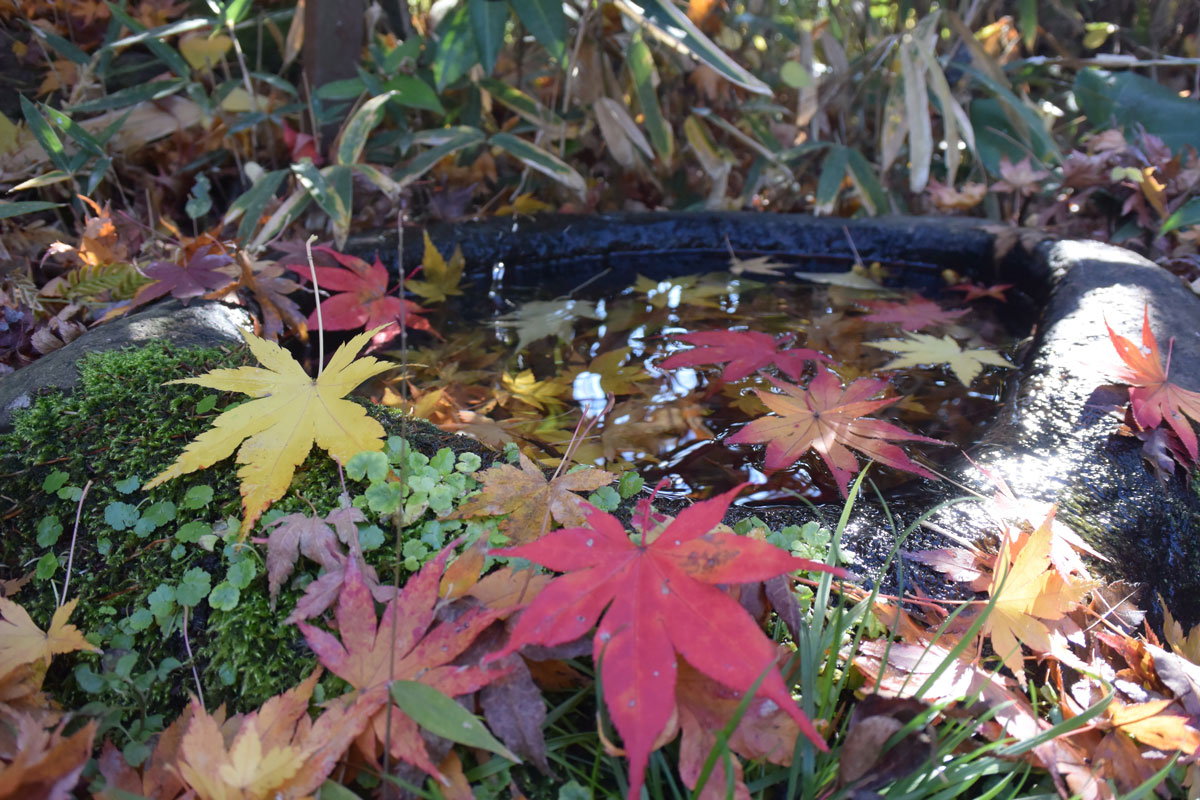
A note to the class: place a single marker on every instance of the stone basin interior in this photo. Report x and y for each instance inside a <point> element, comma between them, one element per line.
<point>616,319</point>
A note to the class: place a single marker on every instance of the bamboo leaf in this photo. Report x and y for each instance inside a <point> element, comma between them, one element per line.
<point>641,67</point>
<point>359,127</point>
<point>538,159</point>
<point>916,106</point>
<point>440,715</point>
<point>545,20</point>
<point>671,26</point>
<point>488,18</point>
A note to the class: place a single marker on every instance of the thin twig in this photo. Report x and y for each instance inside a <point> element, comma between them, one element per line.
<point>312,270</point>
<point>187,645</point>
<point>74,535</point>
<point>402,475</point>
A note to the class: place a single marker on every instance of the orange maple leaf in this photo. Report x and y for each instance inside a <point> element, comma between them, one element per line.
<point>276,751</point>
<point>530,500</point>
<point>1152,396</point>
<point>23,642</point>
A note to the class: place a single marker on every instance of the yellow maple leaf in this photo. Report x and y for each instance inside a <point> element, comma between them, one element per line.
<point>441,279</point>
<point>528,389</point>
<point>1027,591</point>
<point>277,431</point>
<point>23,642</point>
<point>922,348</point>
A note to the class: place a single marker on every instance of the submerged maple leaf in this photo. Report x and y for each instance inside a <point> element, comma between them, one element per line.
<point>912,314</point>
<point>1152,396</point>
<point>742,352</point>
<point>362,300</point>
<point>277,431</point>
<point>441,279</point>
<point>828,417</point>
<point>658,598</point>
<point>922,348</point>
<point>369,659</point>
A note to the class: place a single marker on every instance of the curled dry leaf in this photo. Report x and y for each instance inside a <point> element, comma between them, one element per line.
<point>529,500</point>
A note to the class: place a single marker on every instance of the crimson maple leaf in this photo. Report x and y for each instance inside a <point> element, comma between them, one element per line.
<point>913,314</point>
<point>369,659</point>
<point>658,598</point>
<point>745,351</point>
<point>362,300</point>
<point>1151,396</point>
<point>828,417</point>
<point>975,291</point>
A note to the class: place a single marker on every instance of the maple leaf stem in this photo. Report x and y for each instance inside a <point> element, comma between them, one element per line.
<point>74,536</point>
<point>312,271</point>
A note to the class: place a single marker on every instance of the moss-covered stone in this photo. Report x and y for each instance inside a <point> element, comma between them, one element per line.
<point>124,422</point>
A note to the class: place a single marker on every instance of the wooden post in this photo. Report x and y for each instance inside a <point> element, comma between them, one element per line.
<point>333,41</point>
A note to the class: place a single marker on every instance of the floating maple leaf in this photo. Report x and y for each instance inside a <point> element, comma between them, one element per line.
<point>278,429</point>
<point>441,279</point>
<point>362,300</point>
<point>658,598</point>
<point>912,315</point>
<point>742,352</point>
<point>541,318</point>
<point>369,658</point>
<point>923,349</point>
<point>530,500</point>
<point>828,417</point>
<point>1152,396</point>
<point>759,265</point>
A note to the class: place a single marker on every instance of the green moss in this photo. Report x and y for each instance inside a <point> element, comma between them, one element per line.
<point>124,422</point>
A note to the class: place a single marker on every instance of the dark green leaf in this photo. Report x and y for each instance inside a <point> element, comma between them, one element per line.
<point>536,158</point>
<point>641,67</point>
<point>456,52</point>
<point>545,20</point>
<point>132,96</point>
<point>8,209</point>
<point>45,135</point>
<point>167,54</point>
<point>251,204</point>
<point>1130,101</point>
<point>413,92</point>
<point>488,18</point>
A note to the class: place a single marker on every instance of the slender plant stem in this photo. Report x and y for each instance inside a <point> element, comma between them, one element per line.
<point>312,270</point>
<point>74,535</point>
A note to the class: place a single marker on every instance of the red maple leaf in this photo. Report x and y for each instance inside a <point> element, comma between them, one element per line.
<point>1151,396</point>
<point>363,301</point>
<point>369,659</point>
<point>745,352</point>
<point>975,291</point>
<point>913,314</point>
<point>661,599</point>
<point>828,418</point>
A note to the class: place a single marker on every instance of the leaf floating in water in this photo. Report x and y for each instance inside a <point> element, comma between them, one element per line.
<point>922,349</point>
<point>541,318</point>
